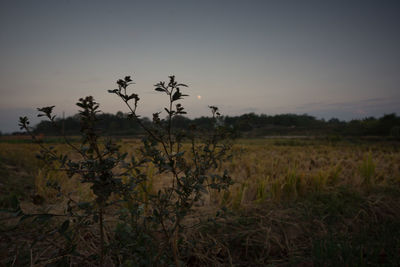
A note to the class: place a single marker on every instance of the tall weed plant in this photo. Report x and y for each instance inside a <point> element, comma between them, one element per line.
<point>150,221</point>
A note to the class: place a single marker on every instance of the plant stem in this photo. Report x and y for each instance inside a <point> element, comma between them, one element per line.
<point>101,264</point>
<point>175,248</point>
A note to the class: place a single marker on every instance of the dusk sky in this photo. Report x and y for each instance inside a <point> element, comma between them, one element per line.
<point>324,58</point>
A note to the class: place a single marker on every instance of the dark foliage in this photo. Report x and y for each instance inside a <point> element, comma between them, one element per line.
<point>251,125</point>
<point>150,223</point>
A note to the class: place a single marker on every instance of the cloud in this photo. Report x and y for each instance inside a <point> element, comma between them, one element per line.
<point>249,110</point>
<point>352,109</point>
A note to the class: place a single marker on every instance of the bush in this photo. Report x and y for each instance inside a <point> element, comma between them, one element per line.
<point>149,223</point>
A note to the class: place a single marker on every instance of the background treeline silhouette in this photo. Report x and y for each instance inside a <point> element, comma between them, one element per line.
<point>246,125</point>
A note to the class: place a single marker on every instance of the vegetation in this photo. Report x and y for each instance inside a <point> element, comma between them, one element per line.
<point>192,198</point>
<point>247,125</point>
<point>153,220</point>
<point>291,203</point>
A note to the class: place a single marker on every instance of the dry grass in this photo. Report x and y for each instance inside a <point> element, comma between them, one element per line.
<point>289,234</point>
<point>265,171</point>
<point>292,203</point>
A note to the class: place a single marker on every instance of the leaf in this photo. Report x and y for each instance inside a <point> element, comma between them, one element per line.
<point>95,218</point>
<point>180,154</point>
<point>23,122</point>
<point>64,227</point>
<point>177,95</point>
<point>114,91</point>
<point>84,205</point>
<point>121,83</point>
<point>18,213</point>
<point>156,213</point>
<point>26,216</point>
<point>159,89</point>
<point>133,96</point>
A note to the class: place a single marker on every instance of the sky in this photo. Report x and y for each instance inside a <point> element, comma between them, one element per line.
<point>324,58</point>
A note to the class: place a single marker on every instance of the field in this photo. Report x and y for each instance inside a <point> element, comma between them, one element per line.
<point>301,202</point>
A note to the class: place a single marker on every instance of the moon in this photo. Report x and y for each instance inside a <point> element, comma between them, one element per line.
<point>199,97</point>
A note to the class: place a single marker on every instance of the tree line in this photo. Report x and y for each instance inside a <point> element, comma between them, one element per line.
<point>246,125</point>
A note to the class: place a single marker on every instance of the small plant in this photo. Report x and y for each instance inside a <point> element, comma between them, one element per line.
<point>239,195</point>
<point>190,159</point>
<point>320,181</point>
<point>334,175</point>
<point>292,184</point>
<point>262,184</point>
<point>96,166</point>
<point>367,170</point>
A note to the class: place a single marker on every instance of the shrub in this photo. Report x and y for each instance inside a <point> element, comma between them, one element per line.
<point>149,222</point>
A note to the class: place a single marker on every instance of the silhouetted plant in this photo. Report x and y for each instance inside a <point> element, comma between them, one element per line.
<point>191,159</point>
<point>189,165</point>
<point>95,166</point>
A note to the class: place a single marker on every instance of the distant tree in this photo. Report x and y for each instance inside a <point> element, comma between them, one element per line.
<point>119,115</point>
<point>387,122</point>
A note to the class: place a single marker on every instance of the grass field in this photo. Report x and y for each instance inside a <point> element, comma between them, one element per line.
<point>300,202</point>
